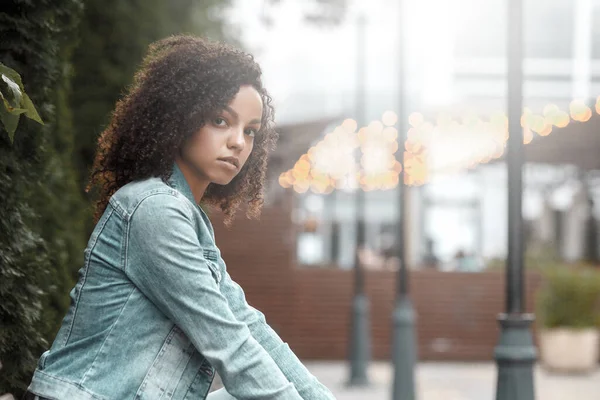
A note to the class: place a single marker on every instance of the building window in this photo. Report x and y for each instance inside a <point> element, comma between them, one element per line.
<point>326,229</point>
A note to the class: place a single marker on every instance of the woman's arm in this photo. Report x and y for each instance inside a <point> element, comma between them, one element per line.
<point>307,385</point>
<point>165,261</point>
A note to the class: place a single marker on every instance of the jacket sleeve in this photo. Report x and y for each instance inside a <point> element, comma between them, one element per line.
<point>166,262</point>
<point>307,385</point>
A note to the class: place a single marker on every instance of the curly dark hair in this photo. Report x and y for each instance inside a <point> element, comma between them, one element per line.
<point>182,82</point>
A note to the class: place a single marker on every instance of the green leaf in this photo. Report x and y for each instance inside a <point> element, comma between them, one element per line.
<point>14,88</point>
<point>12,74</point>
<point>17,111</point>
<point>5,100</point>
<point>31,111</point>
<point>21,103</point>
<point>10,122</point>
<point>10,109</point>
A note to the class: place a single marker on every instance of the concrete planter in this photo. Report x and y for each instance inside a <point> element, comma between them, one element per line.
<point>570,350</point>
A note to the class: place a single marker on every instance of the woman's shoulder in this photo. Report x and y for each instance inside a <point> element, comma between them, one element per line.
<point>151,194</point>
<point>152,201</point>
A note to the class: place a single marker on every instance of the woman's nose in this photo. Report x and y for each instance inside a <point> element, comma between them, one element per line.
<point>237,139</point>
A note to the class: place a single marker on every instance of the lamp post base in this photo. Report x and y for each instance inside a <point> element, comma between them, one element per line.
<point>515,357</point>
<point>404,350</point>
<point>360,341</point>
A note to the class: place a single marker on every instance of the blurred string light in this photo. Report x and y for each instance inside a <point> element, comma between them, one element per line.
<point>332,163</point>
<point>446,145</point>
<point>458,145</point>
<point>326,165</point>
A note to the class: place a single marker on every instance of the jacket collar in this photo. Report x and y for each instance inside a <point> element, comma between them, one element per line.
<point>178,181</point>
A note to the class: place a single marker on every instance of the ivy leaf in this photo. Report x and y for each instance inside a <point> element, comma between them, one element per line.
<point>17,93</point>
<point>15,102</point>
<point>12,75</point>
<point>30,112</point>
<point>10,109</point>
<point>10,121</point>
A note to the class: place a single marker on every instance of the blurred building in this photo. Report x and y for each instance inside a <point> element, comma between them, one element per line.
<point>298,269</point>
<point>456,67</point>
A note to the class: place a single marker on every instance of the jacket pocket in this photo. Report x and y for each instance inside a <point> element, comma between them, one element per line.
<point>201,384</point>
<point>168,367</point>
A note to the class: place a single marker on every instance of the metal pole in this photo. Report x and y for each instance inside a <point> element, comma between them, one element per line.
<point>404,347</point>
<point>360,340</point>
<point>515,353</point>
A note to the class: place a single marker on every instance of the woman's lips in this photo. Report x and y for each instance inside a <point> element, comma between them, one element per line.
<point>232,162</point>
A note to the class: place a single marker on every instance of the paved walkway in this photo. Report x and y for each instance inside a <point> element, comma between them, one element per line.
<point>453,381</point>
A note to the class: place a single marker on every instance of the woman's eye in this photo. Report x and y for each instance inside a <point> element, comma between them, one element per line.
<point>251,132</point>
<point>220,121</point>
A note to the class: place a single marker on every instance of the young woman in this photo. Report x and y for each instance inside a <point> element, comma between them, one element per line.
<point>154,312</point>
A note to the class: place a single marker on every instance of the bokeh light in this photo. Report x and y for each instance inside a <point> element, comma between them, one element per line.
<point>389,118</point>
<point>349,125</point>
<point>445,145</point>
<point>415,119</point>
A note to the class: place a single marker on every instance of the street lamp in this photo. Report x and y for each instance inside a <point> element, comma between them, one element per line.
<point>404,343</point>
<point>515,353</point>
<point>360,338</point>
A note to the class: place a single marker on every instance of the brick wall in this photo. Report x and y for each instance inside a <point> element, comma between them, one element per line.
<point>310,307</point>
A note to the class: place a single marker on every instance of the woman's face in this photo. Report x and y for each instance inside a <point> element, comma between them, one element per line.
<point>217,152</point>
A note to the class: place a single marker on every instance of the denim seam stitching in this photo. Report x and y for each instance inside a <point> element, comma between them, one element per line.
<point>77,385</point>
<point>198,377</point>
<point>86,266</point>
<point>184,199</point>
<point>195,207</point>
<point>117,206</point>
<point>170,393</point>
<point>124,238</point>
<point>163,348</point>
<point>130,216</point>
<point>107,335</point>
<point>209,385</point>
<point>213,266</point>
<point>162,190</point>
<point>189,359</point>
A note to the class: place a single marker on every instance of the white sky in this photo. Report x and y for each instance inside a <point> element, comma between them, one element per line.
<point>311,70</point>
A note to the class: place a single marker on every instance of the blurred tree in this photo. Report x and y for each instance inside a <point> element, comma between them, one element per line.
<point>41,230</point>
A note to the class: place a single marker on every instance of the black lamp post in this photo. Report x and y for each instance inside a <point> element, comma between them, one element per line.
<point>360,338</point>
<point>404,352</point>
<point>515,353</point>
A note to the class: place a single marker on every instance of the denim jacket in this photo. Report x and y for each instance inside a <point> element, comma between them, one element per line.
<point>154,312</point>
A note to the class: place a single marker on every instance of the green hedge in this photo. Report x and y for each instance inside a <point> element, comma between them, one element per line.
<point>41,209</point>
<point>75,63</point>
<point>570,297</point>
